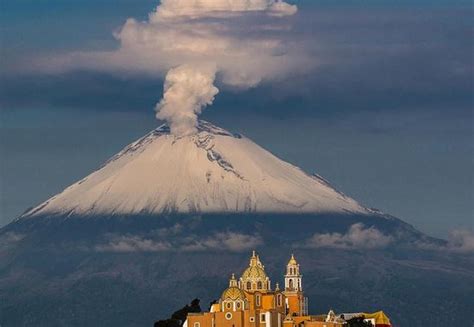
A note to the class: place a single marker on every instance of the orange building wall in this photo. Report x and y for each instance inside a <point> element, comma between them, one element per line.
<point>205,320</point>
<point>241,318</point>
<point>237,319</point>
<point>267,302</point>
<point>294,302</point>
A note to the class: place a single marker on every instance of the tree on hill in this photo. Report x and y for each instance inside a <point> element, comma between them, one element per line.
<point>178,317</point>
<point>358,322</point>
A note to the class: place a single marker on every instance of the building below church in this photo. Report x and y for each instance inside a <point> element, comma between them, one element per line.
<point>250,301</point>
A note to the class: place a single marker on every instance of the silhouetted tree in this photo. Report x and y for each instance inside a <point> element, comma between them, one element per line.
<point>179,317</point>
<point>168,323</point>
<point>358,322</point>
<point>195,307</point>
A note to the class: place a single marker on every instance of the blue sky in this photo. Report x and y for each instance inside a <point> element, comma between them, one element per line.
<point>387,117</point>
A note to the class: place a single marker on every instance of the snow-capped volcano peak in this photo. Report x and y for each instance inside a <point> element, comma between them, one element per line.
<point>210,171</point>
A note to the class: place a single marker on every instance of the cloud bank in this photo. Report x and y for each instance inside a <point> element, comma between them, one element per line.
<point>459,241</point>
<point>357,237</point>
<point>167,241</point>
<point>132,243</point>
<point>228,241</point>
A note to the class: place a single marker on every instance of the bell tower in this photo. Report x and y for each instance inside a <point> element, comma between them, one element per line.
<point>296,303</point>
<point>292,276</point>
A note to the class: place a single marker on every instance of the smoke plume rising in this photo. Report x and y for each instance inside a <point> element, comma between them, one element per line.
<point>189,88</point>
<point>187,91</point>
<point>245,41</point>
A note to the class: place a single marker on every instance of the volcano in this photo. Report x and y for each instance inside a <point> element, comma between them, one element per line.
<point>169,218</point>
<point>211,171</point>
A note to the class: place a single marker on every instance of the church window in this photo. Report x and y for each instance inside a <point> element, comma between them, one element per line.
<point>257,300</point>
<point>249,285</point>
<point>197,324</point>
<point>238,304</point>
<point>228,316</point>
<point>290,284</point>
<point>262,317</point>
<point>279,300</point>
<point>252,319</point>
<point>259,285</point>
<point>229,305</point>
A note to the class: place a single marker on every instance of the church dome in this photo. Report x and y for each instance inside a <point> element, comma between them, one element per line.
<point>254,277</point>
<point>254,272</point>
<point>233,293</point>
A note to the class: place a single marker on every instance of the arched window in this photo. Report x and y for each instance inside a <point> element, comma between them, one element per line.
<point>197,324</point>
<point>279,300</point>
<point>290,284</point>
<point>259,285</point>
<point>249,285</point>
<point>228,305</point>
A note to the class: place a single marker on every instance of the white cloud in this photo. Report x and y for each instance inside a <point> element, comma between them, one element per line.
<point>357,237</point>
<point>168,231</point>
<point>247,40</point>
<point>10,238</point>
<point>133,243</point>
<point>198,8</point>
<point>170,240</point>
<point>459,241</point>
<point>228,241</point>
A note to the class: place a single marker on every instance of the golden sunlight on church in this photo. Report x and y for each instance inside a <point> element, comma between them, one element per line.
<point>251,301</point>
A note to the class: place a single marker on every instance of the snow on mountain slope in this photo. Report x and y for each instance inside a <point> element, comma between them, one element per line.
<point>211,171</point>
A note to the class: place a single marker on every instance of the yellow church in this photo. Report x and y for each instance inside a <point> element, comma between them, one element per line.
<point>250,301</point>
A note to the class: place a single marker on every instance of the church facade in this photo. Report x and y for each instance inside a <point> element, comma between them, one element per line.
<point>251,301</point>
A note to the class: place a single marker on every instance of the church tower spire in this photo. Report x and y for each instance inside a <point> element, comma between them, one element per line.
<point>233,281</point>
<point>296,303</point>
<point>293,276</point>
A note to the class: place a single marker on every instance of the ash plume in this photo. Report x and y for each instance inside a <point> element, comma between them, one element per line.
<point>245,42</point>
<point>187,90</point>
